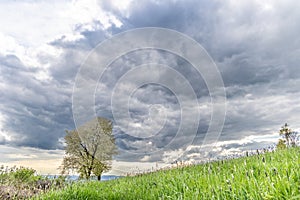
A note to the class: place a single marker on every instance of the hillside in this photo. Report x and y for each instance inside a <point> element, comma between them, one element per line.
<point>274,175</point>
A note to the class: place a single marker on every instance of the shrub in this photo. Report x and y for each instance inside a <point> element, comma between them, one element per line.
<point>23,175</point>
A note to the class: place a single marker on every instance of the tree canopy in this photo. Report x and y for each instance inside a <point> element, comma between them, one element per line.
<point>89,148</point>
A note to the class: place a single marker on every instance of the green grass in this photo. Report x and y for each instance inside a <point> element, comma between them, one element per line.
<point>273,175</point>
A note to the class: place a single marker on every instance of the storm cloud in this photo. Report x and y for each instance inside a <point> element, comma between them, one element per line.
<point>254,44</point>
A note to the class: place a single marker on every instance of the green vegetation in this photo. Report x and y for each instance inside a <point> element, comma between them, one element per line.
<point>23,183</point>
<point>89,148</point>
<point>289,137</point>
<point>274,175</point>
<point>17,175</point>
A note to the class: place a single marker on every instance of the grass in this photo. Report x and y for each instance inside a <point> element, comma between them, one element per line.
<point>274,175</point>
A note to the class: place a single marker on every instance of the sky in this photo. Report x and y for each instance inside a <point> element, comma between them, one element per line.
<point>161,105</point>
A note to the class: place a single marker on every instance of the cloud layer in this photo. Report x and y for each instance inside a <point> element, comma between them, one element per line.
<point>254,44</point>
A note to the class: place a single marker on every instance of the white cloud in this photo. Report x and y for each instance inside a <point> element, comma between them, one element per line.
<point>124,168</point>
<point>44,161</point>
<point>39,22</point>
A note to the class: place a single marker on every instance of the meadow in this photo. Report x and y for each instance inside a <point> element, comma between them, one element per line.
<point>272,175</point>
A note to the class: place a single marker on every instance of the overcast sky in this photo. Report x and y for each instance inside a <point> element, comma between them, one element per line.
<point>255,46</point>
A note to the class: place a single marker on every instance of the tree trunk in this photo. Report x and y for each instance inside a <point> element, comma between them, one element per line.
<point>99,177</point>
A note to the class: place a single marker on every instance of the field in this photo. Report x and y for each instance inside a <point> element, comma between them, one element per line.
<point>274,175</point>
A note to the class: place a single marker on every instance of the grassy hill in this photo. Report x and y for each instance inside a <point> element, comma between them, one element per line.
<point>273,175</point>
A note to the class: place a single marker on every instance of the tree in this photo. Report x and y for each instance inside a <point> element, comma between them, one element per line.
<point>285,132</point>
<point>99,168</point>
<point>290,136</point>
<point>281,144</point>
<point>294,137</point>
<point>89,149</point>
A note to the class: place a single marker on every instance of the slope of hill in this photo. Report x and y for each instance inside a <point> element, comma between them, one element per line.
<point>274,175</point>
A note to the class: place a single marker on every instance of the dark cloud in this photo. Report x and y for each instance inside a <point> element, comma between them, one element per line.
<point>257,60</point>
<point>255,46</point>
<point>36,112</point>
